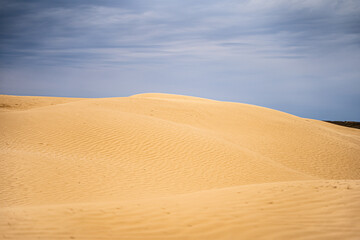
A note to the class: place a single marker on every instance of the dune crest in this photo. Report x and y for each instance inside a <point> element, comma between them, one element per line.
<point>162,166</point>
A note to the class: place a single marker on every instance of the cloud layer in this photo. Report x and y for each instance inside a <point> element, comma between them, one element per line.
<point>297,56</point>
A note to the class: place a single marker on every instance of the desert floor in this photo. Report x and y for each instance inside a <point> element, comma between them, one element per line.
<point>159,166</point>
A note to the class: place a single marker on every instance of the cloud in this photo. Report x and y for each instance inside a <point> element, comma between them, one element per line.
<point>284,26</point>
<point>271,53</point>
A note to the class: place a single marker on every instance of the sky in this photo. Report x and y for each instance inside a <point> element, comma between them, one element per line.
<point>297,56</point>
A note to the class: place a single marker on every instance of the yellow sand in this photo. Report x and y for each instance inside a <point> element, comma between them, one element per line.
<point>160,166</point>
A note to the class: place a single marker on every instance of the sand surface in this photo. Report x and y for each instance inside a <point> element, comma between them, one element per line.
<point>159,166</point>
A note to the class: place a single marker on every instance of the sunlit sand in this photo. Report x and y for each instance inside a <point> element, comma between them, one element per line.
<point>160,166</point>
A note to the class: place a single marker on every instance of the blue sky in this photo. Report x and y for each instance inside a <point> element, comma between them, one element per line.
<point>301,57</point>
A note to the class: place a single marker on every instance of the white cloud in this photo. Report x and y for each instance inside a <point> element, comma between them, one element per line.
<point>259,51</point>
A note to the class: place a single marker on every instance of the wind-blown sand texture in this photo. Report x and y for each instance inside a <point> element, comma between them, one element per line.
<point>160,166</point>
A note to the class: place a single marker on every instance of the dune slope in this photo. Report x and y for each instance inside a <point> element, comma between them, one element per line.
<point>160,166</point>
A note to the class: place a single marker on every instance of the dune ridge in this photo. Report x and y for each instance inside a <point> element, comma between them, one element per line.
<point>162,166</point>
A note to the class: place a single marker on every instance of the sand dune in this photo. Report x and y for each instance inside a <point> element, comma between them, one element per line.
<point>160,166</point>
